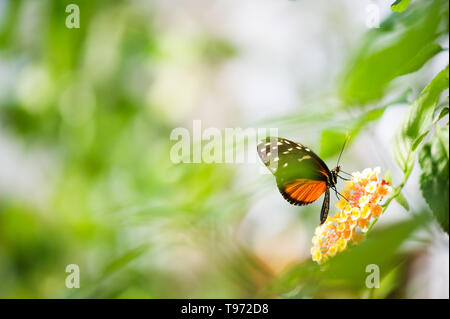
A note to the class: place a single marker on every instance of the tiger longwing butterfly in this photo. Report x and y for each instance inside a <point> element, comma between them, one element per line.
<point>301,176</point>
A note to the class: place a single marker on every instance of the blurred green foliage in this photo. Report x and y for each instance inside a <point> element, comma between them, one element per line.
<point>83,98</point>
<point>141,227</point>
<point>403,44</point>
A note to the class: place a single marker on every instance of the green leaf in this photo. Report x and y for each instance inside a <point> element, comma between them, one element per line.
<point>434,180</point>
<point>389,283</point>
<point>400,5</point>
<point>417,122</point>
<point>443,113</point>
<point>419,140</point>
<point>380,248</point>
<point>401,45</point>
<point>421,58</point>
<point>402,201</point>
<point>370,116</point>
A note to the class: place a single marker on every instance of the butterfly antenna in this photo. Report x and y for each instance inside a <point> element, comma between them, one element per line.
<point>342,150</point>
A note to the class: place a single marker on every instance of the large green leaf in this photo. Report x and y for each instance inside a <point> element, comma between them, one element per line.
<point>403,44</point>
<point>434,180</point>
<point>420,58</point>
<point>348,269</point>
<point>417,122</point>
<point>381,248</point>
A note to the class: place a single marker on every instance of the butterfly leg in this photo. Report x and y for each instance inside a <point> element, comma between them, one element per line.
<point>336,192</point>
<point>325,207</point>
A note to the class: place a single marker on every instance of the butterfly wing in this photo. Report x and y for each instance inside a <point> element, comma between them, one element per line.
<point>301,176</point>
<point>302,191</point>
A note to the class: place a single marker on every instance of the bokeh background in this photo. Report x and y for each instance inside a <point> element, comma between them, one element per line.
<point>85,120</point>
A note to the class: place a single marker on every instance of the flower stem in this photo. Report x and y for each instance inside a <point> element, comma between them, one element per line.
<point>397,191</point>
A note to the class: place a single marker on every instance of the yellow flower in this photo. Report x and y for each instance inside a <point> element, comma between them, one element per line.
<point>357,238</point>
<point>365,212</point>
<point>371,187</point>
<point>356,178</point>
<point>363,225</point>
<point>333,250</point>
<point>353,217</point>
<point>316,255</point>
<point>376,211</point>
<point>341,203</point>
<point>347,210</point>
<point>340,216</point>
<point>352,223</point>
<point>366,173</point>
<point>355,213</point>
<point>364,200</point>
<point>341,244</point>
<point>347,233</point>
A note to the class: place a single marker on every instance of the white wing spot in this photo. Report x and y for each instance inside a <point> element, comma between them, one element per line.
<point>307,149</point>
<point>290,149</point>
<point>286,152</point>
<point>275,159</point>
<point>303,158</point>
<point>299,147</point>
<point>285,164</point>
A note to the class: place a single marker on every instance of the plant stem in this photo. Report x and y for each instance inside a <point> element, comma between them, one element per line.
<point>397,191</point>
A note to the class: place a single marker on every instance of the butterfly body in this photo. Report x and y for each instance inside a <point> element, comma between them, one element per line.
<point>301,176</point>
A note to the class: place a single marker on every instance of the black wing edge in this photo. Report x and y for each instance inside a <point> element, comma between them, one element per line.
<point>291,200</point>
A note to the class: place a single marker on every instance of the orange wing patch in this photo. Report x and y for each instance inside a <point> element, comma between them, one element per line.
<point>303,191</point>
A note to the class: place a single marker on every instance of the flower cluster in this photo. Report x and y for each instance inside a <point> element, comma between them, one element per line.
<point>364,192</point>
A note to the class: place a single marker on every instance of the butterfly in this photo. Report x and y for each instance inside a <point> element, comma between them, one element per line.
<point>301,176</point>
